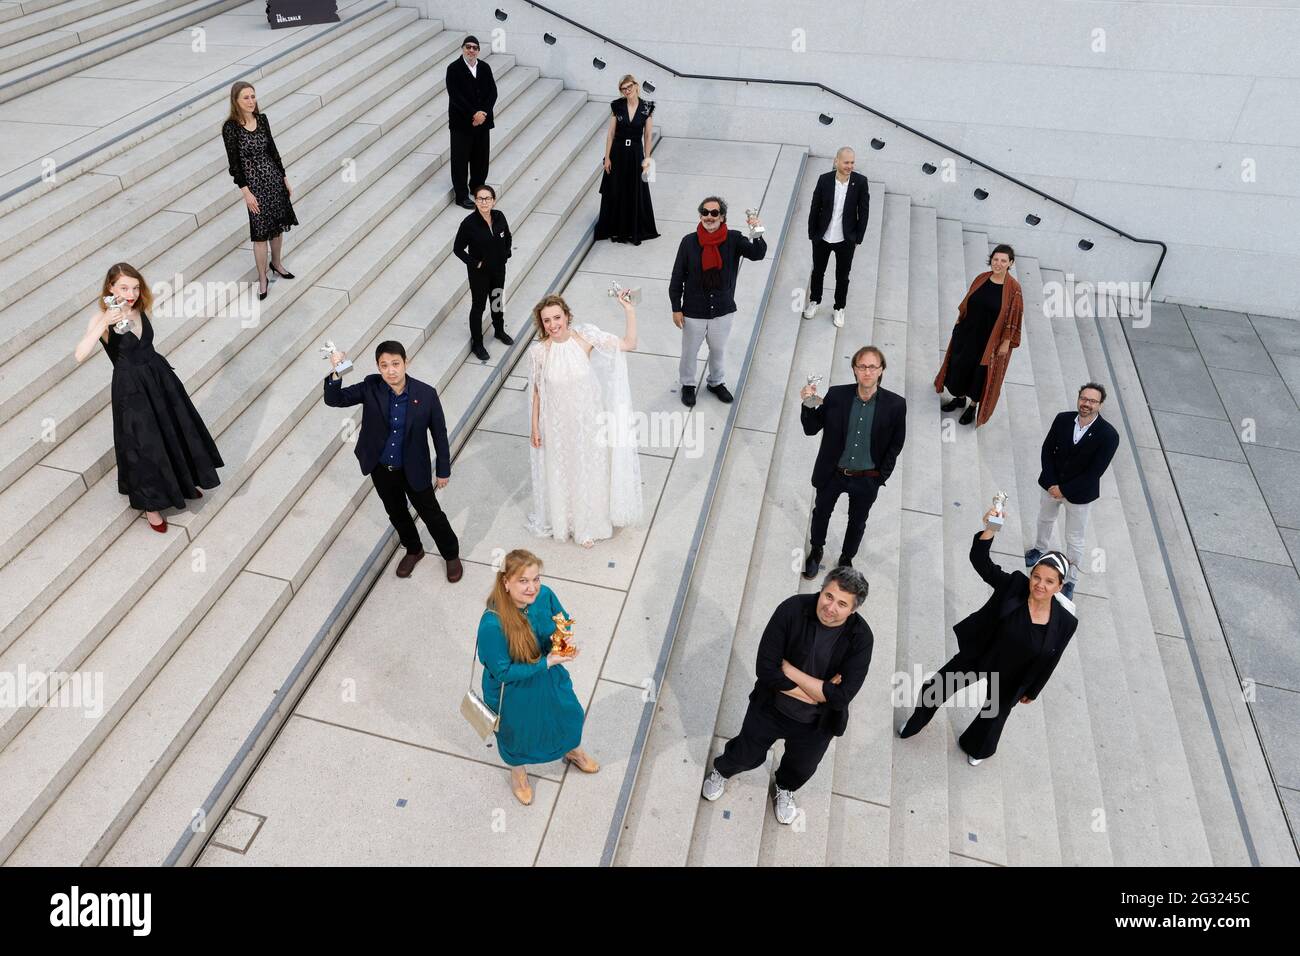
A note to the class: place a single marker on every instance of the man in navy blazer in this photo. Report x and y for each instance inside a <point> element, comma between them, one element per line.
<point>1076,453</point>
<point>471,95</point>
<point>398,413</point>
<point>863,427</point>
<point>837,222</point>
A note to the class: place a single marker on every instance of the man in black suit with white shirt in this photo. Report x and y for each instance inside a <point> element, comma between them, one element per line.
<point>837,222</point>
<point>471,94</point>
<point>1076,453</point>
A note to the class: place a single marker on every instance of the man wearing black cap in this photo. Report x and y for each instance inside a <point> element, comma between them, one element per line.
<point>471,94</point>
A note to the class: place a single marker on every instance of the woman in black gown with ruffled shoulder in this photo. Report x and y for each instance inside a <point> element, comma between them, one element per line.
<point>164,451</point>
<point>626,214</point>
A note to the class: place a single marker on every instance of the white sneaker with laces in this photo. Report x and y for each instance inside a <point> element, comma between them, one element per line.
<point>783,803</point>
<point>714,784</point>
<point>811,310</point>
<point>838,318</point>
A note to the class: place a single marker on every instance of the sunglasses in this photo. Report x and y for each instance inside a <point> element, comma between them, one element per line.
<point>469,46</point>
<point>626,89</point>
<point>710,213</point>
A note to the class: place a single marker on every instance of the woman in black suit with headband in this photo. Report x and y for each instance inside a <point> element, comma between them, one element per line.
<point>1015,639</point>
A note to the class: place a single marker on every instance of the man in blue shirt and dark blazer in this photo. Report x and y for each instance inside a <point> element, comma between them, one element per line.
<point>863,427</point>
<point>837,222</point>
<point>1076,453</point>
<point>471,94</point>
<point>398,413</point>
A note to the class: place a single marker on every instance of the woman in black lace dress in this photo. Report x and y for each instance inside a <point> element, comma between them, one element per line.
<point>626,214</point>
<point>256,167</point>
<point>164,451</point>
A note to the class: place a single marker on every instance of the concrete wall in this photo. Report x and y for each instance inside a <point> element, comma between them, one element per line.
<point>1172,120</point>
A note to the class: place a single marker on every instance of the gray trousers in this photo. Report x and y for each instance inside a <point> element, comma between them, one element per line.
<point>694,333</point>
<point>1076,526</point>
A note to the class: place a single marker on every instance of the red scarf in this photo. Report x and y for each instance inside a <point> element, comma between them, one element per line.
<point>710,241</point>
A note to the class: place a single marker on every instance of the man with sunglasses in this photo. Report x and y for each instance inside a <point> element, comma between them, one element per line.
<point>471,94</point>
<point>703,293</point>
<point>1076,453</point>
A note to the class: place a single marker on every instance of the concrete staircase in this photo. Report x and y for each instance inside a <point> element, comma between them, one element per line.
<point>1098,771</point>
<point>174,623</point>
<point>42,41</point>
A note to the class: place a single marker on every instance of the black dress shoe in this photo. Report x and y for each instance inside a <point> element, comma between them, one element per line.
<point>844,562</point>
<point>812,565</point>
<point>502,336</point>
<point>968,416</point>
<point>480,352</point>
<point>688,395</point>
<point>465,202</point>
<point>953,405</point>
<point>260,294</point>
<point>724,396</point>
<point>282,275</point>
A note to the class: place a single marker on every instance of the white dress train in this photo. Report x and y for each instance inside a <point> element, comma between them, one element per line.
<point>586,476</point>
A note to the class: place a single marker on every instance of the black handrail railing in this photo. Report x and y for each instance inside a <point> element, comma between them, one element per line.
<point>1164,249</point>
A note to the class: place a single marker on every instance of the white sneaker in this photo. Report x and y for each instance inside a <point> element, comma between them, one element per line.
<point>811,310</point>
<point>838,318</point>
<point>714,784</point>
<point>974,761</point>
<point>783,803</point>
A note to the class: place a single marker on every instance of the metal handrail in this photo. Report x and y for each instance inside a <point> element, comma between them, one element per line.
<point>1164,249</point>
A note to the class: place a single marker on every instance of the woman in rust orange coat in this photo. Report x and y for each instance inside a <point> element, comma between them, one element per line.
<point>987,329</point>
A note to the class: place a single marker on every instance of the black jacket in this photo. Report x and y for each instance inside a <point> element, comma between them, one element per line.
<point>857,207</point>
<point>831,418</point>
<point>467,95</point>
<point>1077,468</point>
<point>1011,592</point>
<point>423,414</point>
<point>230,136</point>
<point>789,635</point>
<point>476,243</point>
<point>686,288</point>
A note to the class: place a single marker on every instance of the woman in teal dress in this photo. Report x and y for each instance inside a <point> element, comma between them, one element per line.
<point>541,716</point>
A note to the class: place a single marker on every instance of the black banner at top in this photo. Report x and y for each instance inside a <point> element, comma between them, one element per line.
<point>297,13</point>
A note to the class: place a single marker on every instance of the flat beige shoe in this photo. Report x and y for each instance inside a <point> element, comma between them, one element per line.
<point>582,761</point>
<point>523,792</point>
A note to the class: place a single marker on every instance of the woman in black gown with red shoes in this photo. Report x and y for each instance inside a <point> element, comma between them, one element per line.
<point>626,214</point>
<point>164,451</point>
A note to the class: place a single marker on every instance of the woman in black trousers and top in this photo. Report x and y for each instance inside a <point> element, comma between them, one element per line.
<point>483,244</point>
<point>258,171</point>
<point>1015,640</point>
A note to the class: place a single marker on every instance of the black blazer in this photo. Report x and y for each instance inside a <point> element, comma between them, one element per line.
<point>686,288</point>
<point>230,136</point>
<point>857,207</point>
<point>831,418</point>
<point>476,243</point>
<point>1077,468</point>
<point>423,414</point>
<point>789,635</point>
<point>467,95</point>
<point>1010,592</point>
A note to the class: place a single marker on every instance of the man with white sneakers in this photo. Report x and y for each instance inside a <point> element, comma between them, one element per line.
<point>837,222</point>
<point>812,660</point>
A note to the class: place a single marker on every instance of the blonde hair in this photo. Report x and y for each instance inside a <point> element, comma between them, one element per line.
<point>546,303</point>
<point>521,642</point>
<point>629,78</point>
<point>115,272</point>
<point>238,87</point>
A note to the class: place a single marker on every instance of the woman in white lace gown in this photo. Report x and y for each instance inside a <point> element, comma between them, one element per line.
<point>585,470</point>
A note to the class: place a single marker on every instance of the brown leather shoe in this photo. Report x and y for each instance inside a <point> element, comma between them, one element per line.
<point>582,761</point>
<point>408,563</point>
<point>455,570</point>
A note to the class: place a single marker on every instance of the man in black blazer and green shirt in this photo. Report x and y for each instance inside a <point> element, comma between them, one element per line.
<point>1076,453</point>
<point>863,427</point>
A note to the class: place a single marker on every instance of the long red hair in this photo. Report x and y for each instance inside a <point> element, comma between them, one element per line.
<point>144,303</point>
